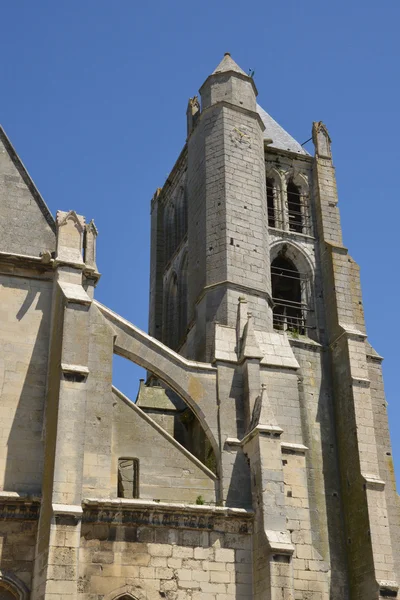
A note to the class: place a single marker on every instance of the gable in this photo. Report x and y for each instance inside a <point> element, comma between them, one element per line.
<point>26,224</point>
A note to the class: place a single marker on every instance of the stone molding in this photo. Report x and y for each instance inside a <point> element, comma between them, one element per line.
<point>120,511</point>
<point>15,507</point>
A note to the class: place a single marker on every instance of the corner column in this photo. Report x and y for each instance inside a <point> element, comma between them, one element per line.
<point>57,555</point>
<point>369,547</point>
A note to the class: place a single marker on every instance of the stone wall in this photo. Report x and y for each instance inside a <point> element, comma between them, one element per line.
<point>167,472</point>
<point>24,332</point>
<point>18,528</point>
<point>164,562</point>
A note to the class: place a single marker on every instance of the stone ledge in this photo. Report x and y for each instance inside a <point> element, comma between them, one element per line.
<point>16,497</point>
<point>67,509</point>
<point>74,369</point>
<point>19,507</point>
<point>271,431</point>
<point>74,292</point>
<point>122,511</point>
<point>303,342</point>
<point>373,482</point>
<point>291,447</point>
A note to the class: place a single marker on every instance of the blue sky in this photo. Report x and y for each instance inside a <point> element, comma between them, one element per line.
<point>93,97</point>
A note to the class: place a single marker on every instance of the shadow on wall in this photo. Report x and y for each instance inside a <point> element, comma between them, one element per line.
<point>25,327</point>
<point>329,470</point>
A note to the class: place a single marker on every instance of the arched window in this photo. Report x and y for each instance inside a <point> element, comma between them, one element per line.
<point>171,320</point>
<point>182,290</point>
<point>286,295</point>
<point>272,216</point>
<point>295,207</point>
<point>185,210</point>
<point>169,231</point>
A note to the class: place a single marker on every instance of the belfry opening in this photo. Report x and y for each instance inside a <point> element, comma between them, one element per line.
<point>288,313</point>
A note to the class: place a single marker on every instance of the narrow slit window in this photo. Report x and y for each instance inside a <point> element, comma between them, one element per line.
<point>128,478</point>
<point>288,312</point>
<point>295,208</point>
<point>271,203</point>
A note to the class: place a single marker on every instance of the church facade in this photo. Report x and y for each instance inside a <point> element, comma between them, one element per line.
<point>256,461</point>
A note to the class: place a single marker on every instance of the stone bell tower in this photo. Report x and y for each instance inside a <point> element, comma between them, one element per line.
<point>227,216</point>
<point>249,273</point>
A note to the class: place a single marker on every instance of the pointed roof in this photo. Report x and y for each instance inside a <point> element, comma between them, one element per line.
<point>281,139</point>
<point>228,64</point>
<point>26,224</point>
<point>27,178</point>
<point>250,347</point>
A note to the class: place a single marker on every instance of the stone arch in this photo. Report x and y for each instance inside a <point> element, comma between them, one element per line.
<point>296,255</point>
<point>126,592</point>
<point>194,382</point>
<point>11,587</point>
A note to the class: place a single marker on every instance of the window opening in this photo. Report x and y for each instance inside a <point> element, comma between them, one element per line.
<point>128,478</point>
<point>271,203</point>
<point>295,207</point>
<point>171,322</point>
<point>183,300</point>
<point>289,313</point>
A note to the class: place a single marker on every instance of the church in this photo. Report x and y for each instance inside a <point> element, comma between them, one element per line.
<point>255,462</point>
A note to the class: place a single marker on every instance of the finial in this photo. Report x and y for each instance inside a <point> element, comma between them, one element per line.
<point>227,54</point>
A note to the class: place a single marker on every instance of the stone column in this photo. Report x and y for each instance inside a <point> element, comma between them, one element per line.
<point>57,555</point>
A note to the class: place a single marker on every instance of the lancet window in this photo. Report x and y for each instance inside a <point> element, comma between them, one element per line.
<point>289,312</point>
<point>182,288</point>
<point>295,208</point>
<point>171,314</point>
<point>287,204</point>
<point>272,212</point>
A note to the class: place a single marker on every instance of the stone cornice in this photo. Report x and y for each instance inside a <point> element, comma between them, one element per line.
<point>235,286</point>
<point>19,507</point>
<point>120,511</point>
<point>22,265</point>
